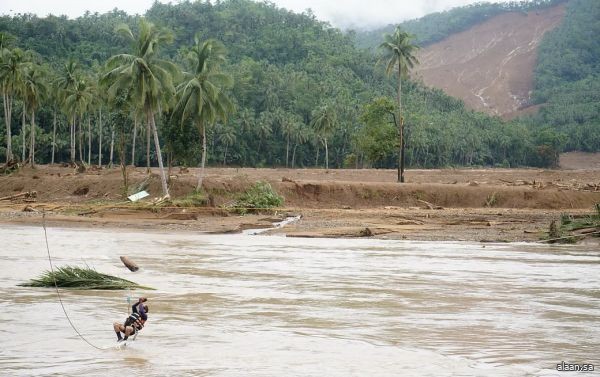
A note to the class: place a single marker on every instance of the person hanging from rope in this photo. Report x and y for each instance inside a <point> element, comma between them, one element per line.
<point>135,322</point>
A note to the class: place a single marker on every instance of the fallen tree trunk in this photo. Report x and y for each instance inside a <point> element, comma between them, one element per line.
<point>129,264</point>
<point>28,194</point>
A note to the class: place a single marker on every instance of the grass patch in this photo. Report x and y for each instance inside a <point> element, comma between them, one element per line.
<point>564,233</point>
<point>193,199</point>
<point>259,198</point>
<point>572,224</point>
<point>81,278</point>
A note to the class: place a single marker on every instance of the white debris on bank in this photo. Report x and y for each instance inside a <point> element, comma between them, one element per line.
<point>281,224</point>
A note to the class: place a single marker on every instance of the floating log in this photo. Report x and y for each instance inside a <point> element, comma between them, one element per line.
<point>129,264</point>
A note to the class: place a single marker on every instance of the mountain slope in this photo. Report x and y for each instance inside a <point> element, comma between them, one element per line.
<point>567,77</point>
<point>436,26</point>
<point>491,65</point>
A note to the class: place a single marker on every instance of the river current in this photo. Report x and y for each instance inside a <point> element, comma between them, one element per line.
<point>242,305</point>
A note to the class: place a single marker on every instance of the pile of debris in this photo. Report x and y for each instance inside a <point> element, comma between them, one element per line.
<point>10,167</point>
<point>539,185</point>
<point>26,197</point>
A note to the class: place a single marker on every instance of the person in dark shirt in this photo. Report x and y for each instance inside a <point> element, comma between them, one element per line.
<point>135,322</point>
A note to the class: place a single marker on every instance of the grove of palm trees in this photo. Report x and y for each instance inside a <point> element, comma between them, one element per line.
<point>235,92</point>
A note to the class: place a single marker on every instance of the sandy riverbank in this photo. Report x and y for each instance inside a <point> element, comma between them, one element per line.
<point>449,204</point>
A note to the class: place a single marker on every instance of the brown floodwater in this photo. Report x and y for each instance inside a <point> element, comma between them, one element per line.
<point>241,305</point>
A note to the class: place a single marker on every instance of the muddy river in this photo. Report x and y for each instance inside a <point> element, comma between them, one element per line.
<point>241,305</point>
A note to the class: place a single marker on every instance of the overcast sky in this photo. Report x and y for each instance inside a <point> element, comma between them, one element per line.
<point>341,13</point>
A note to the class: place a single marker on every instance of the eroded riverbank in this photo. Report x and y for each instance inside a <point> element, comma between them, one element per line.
<point>455,205</point>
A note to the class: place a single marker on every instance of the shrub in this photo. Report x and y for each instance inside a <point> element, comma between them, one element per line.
<point>257,198</point>
<point>193,199</point>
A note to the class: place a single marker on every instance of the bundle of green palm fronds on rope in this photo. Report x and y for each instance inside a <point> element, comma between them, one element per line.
<point>80,278</point>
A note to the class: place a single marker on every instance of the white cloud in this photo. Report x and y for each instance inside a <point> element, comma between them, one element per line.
<point>370,13</point>
<point>340,13</point>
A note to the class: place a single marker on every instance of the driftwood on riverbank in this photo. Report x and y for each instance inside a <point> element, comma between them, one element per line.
<point>25,195</point>
<point>10,167</point>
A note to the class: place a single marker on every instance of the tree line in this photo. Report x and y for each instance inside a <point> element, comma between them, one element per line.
<point>234,83</point>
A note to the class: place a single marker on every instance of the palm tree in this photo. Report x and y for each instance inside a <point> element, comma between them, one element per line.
<point>136,117</point>
<point>324,121</point>
<point>148,78</point>
<point>398,50</point>
<point>300,135</point>
<point>288,124</point>
<point>13,64</point>
<point>65,84</point>
<point>92,104</point>
<point>76,102</point>
<point>100,100</point>
<point>34,90</point>
<point>201,96</point>
<point>54,100</point>
<point>227,136</point>
<point>6,41</point>
<point>264,129</point>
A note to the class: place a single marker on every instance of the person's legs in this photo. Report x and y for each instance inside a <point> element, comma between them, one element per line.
<point>119,328</point>
<point>129,330</point>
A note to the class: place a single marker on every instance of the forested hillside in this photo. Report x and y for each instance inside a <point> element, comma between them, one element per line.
<point>257,93</point>
<point>567,77</point>
<point>565,100</point>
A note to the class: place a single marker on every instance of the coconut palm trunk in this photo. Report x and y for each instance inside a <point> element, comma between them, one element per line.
<point>294,156</point>
<point>203,161</point>
<point>100,138</point>
<point>23,133</point>
<point>135,126</point>
<point>326,154</point>
<point>7,100</point>
<point>112,147</point>
<point>74,139</point>
<point>32,139</point>
<point>287,152</point>
<point>89,140</point>
<point>147,149</point>
<point>80,137</point>
<point>53,138</point>
<point>163,178</point>
<point>400,128</point>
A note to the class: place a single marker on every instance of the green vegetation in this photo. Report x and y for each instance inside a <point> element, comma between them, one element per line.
<point>193,199</point>
<point>80,278</point>
<point>573,228</point>
<point>567,78</point>
<point>258,198</point>
<point>569,223</point>
<point>398,50</point>
<point>567,75</point>
<point>233,83</point>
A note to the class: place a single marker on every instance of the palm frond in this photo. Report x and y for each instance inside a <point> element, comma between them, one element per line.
<point>81,278</point>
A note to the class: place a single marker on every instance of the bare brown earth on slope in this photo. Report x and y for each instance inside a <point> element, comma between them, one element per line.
<point>475,205</point>
<point>490,66</point>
